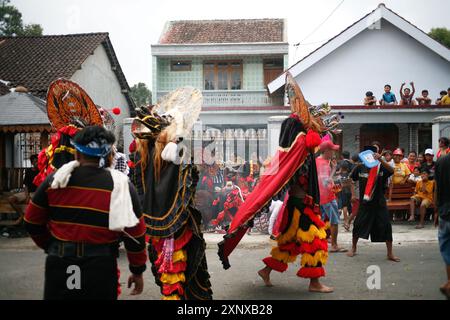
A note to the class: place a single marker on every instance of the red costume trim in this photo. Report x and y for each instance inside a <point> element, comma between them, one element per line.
<point>275,264</point>
<point>168,289</point>
<point>307,272</point>
<point>313,247</point>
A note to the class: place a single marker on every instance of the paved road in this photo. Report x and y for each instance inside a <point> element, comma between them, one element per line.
<point>417,276</point>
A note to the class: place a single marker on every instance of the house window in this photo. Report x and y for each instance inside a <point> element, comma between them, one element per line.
<point>29,144</point>
<point>178,65</point>
<point>222,75</point>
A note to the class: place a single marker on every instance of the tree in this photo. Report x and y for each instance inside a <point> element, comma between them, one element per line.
<point>141,95</point>
<point>11,23</point>
<point>441,35</point>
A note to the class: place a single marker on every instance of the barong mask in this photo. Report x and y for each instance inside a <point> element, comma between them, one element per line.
<point>312,117</point>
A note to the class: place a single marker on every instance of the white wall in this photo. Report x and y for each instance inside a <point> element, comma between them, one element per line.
<point>370,60</point>
<point>98,79</point>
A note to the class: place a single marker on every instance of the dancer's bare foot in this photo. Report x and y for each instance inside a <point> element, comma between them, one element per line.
<point>351,253</point>
<point>393,258</point>
<point>265,275</point>
<point>318,287</point>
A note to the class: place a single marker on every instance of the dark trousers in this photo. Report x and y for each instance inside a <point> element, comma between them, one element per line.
<point>373,221</point>
<point>72,278</point>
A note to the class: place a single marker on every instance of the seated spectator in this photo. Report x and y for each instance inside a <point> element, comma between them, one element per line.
<point>401,170</point>
<point>370,100</point>
<point>420,158</point>
<point>388,96</point>
<point>415,175</point>
<point>406,96</point>
<point>429,163</point>
<point>387,154</point>
<point>423,197</point>
<point>24,197</point>
<point>445,101</point>
<point>442,94</point>
<point>443,147</point>
<point>424,100</point>
<point>412,161</point>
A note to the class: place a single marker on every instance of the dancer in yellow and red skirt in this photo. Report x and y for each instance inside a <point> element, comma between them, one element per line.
<point>291,176</point>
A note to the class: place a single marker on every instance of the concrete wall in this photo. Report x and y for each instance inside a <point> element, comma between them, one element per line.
<point>98,79</point>
<point>370,60</point>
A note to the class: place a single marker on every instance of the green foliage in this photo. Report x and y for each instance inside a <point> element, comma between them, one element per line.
<point>11,23</point>
<point>141,95</point>
<point>441,35</point>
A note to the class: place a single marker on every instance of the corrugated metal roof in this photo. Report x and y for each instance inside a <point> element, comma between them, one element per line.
<point>22,109</point>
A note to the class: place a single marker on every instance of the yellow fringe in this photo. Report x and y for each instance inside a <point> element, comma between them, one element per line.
<point>312,261</point>
<point>327,225</point>
<point>282,256</point>
<point>171,297</point>
<point>179,255</point>
<point>289,235</point>
<point>308,236</point>
<point>171,278</point>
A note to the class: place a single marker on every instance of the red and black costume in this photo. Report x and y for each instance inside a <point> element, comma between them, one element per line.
<point>71,225</point>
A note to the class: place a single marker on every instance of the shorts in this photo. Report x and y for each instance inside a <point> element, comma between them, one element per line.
<point>373,221</point>
<point>444,240</point>
<point>330,212</point>
<point>421,201</point>
<point>345,200</point>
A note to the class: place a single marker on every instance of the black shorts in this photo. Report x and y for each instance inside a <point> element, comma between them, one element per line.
<point>98,278</point>
<point>345,200</point>
<point>373,221</point>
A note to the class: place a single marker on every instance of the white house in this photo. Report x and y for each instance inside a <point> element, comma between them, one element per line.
<point>380,48</point>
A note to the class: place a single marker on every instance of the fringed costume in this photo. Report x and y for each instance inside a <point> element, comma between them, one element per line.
<point>291,177</point>
<point>176,244</point>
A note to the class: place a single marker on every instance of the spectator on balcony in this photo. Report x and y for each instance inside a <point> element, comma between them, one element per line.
<point>422,198</point>
<point>412,161</point>
<point>388,96</point>
<point>406,96</point>
<point>443,147</point>
<point>424,100</point>
<point>370,100</point>
<point>445,101</point>
<point>415,175</point>
<point>442,94</point>
<point>429,163</point>
<point>401,170</point>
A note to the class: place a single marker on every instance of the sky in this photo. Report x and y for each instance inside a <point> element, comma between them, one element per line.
<point>134,25</point>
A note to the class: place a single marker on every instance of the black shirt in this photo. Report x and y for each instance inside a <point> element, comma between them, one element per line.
<point>30,174</point>
<point>442,177</point>
<point>361,173</point>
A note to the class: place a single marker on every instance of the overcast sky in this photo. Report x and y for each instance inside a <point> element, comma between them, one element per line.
<point>134,25</point>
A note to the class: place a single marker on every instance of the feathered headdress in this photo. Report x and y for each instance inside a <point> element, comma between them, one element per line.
<point>312,117</point>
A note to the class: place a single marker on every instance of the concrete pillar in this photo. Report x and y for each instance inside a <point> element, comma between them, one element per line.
<point>440,128</point>
<point>127,136</point>
<point>274,128</point>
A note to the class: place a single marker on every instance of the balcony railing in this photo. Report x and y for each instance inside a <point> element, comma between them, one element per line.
<point>231,98</point>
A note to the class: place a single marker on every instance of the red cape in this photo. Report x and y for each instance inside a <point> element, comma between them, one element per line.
<point>282,168</point>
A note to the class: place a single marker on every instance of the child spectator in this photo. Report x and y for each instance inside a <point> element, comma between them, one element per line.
<point>345,196</point>
<point>415,175</point>
<point>388,96</point>
<point>370,100</point>
<point>423,197</point>
<point>388,157</point>
<point>424,100</point>
<point>442,94</point>
<point>406,96</point>
<point>445,101</point>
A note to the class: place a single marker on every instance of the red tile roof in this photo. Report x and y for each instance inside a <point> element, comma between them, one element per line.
<point>223,31</point>
<point>34,62</point>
